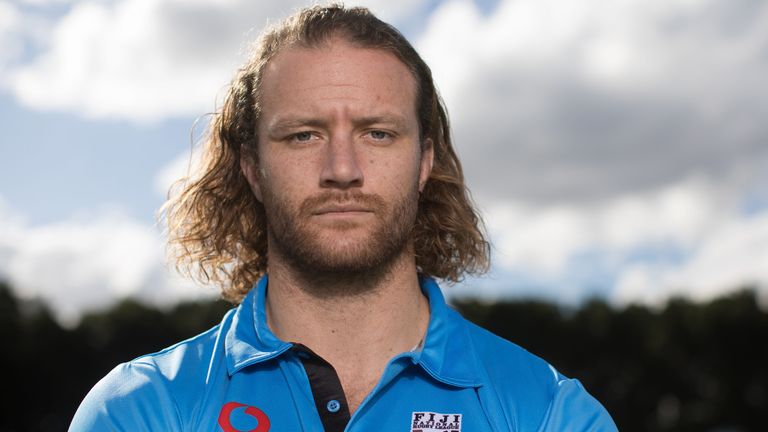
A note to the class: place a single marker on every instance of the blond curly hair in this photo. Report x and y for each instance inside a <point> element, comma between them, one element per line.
<point>217,230</point>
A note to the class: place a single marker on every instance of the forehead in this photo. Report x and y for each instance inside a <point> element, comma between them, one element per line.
<point>337,73</point>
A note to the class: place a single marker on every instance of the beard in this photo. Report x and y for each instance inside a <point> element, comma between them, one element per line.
<point>344,257</point>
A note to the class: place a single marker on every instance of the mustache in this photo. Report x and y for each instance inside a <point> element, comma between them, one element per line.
<point>369,201</point>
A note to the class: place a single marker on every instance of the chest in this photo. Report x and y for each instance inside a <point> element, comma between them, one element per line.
<point>357,388</point>
<point>280,398</point>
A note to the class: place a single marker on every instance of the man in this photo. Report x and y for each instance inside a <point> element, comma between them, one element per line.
<point>331,183</point>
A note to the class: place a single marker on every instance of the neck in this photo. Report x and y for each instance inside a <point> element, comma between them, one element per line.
<point>358,330</point>
<point>385,309</point>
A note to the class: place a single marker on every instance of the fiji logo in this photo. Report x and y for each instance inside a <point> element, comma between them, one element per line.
<point>435,422</point>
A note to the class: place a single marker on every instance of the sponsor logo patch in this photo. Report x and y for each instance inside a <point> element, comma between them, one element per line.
<point>226,414</point>
<point>425,421</point>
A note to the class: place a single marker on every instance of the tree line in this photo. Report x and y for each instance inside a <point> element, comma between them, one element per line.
<point>683,367</point>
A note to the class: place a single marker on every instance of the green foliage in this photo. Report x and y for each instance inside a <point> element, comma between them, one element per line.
<point>686,367</point>
<point>49,369</point>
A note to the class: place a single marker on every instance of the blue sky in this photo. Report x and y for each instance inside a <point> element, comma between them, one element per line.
<point>616,149</point>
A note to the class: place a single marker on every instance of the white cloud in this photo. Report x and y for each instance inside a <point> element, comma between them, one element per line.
<point>688,239</point>
<point>141,59</point>
<point>391,10</point>
<point>181,167</point>
<point>571,100</point>
<point>732,256</point>
<point>19,33</point>
<point>147,60</point>
<point>46,2</point>
<point>543,238</point>
<point>611,138</point>
<point>9,46</point>
<point>88,264</point>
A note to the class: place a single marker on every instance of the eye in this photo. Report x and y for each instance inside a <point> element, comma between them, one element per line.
<point>379,134</point>
<point>302,136</point>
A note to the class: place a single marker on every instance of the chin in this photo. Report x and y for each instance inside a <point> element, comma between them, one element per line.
<point>344,256</point>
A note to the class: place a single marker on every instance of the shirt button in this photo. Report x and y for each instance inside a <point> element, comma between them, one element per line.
<point>333,405</point>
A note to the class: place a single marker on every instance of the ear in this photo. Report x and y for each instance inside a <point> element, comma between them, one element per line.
<point>250,170</point>
<point>425,166</point>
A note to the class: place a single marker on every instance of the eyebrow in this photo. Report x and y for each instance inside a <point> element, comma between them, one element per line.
<point>290,123</point>
<point>386,119</point>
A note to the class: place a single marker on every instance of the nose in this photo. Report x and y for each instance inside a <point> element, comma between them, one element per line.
<point>341,168</point>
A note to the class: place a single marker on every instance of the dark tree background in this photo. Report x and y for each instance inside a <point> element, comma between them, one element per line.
<point>686,367</point>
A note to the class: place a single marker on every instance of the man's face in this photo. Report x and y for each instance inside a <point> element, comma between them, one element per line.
<point>340,162</point>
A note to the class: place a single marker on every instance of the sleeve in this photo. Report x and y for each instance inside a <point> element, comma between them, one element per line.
<point>132,397</point>
<point>573,409</point>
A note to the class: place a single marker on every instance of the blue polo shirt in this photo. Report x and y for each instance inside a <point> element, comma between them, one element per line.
<point>239,376</point>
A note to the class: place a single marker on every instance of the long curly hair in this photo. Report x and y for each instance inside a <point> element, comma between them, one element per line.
<point>217,230</point>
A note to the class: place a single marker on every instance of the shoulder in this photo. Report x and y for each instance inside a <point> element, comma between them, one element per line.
<point>531,393</point>
<point>148,393</point>
<point>502,360</point>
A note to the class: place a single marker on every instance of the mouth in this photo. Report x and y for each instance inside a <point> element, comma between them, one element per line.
<point>341,209</point>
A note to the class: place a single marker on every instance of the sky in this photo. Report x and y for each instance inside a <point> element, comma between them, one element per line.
<point>615,149</point>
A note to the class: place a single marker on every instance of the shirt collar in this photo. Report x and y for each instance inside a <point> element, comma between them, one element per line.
<point>249,339</point>
<point>447,352</point>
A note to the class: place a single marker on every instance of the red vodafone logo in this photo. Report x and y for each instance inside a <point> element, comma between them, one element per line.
<point>226,412</point>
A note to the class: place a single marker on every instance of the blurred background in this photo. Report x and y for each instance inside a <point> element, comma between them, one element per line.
<point>618,152</point>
